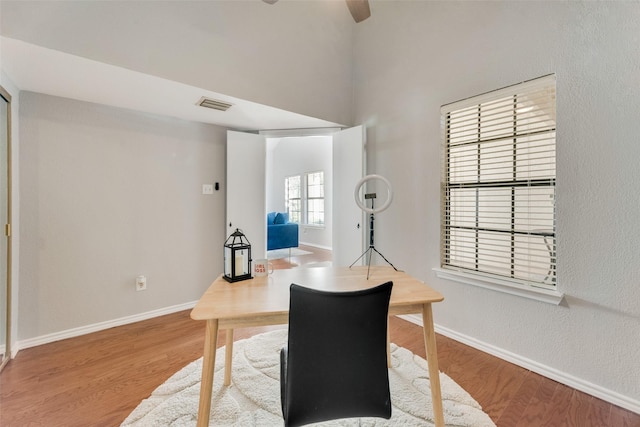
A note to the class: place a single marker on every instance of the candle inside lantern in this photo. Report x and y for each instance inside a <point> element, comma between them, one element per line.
<point>239,264</point>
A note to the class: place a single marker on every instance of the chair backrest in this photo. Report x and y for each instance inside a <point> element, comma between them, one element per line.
<point>335,364</point>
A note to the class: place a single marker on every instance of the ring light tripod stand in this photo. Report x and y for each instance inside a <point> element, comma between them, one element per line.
<point>372,211</point>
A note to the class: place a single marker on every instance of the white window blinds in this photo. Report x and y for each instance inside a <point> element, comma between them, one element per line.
<point>499,183</point>
<point>315,198</point>
<point>292,194</point>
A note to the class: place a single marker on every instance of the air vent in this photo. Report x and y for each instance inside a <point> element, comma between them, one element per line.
<point>214,104</point>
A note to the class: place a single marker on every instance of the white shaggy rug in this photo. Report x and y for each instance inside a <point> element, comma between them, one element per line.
<point>253,399</point>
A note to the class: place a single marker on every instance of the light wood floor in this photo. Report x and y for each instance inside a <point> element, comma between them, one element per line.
<point>98,379</point>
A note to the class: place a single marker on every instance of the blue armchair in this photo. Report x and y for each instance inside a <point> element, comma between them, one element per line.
<point>281,233</point>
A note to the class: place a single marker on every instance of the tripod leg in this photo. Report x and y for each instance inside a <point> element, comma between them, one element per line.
<point>360,257</point>
<point>388,262</point>
<point>369,262</point>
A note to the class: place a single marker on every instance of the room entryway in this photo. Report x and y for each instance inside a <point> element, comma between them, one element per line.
<point>252,172</point>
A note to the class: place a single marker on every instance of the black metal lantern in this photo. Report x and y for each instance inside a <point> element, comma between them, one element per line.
<point>237,257</point>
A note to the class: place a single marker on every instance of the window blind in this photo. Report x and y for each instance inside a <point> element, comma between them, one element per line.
<point>292,194</point>
<point>499,183</point>
<point>315,198</point>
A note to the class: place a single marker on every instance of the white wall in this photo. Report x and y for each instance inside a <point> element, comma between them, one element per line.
<point>296,56</point>
<point>415,56</point>
<point>106,195</point>
<point>297,156</point>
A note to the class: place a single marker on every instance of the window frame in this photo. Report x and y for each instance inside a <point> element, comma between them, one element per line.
<point>309,212</point>
<point>303,214</point>
<point>295,215</point>
<point>481,274</point>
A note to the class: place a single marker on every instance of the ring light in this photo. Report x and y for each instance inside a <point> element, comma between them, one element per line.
<point>372,211</point>
<point>385,205</point>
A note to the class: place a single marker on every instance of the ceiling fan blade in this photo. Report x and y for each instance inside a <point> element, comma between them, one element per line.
<point>359,9</point>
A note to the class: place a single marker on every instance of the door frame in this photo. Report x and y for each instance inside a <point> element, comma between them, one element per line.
<point>358,217</point>
<point>6,356</point>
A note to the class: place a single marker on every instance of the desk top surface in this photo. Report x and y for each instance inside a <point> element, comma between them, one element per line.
<point>269,295</point>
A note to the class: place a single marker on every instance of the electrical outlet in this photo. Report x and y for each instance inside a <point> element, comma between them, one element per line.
<point>141,283</point>
<point>207,188</point>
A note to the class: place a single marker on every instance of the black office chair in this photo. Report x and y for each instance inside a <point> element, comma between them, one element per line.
<point>335,363</point>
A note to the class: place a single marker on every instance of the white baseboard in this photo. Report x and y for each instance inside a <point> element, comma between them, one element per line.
<point>82,330</point>
<point>605,394</point>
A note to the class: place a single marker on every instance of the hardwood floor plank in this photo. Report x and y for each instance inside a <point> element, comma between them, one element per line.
<point>598,413</point>
<point>623,418</point>
<point>501,381</point>
<point>578,408</point>
<point>557,415</point>
<point>539,405</point>
<point>520,401</point>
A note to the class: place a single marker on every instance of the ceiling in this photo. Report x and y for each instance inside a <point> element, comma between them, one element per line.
<point>83,79</point>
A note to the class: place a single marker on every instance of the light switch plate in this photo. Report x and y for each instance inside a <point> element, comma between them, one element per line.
<point>207,188</point>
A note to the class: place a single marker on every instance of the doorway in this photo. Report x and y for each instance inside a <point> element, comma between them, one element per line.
<point>297,157</point>
<point>247,188</point>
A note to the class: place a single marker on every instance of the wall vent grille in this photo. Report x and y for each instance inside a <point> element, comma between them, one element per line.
<point>214,104</point>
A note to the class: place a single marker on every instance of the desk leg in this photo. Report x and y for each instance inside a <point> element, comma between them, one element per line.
<point>228,357</point>
<point>208,365</point>
<point>432,361</point>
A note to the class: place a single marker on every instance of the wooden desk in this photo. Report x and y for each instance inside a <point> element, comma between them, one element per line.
<point>265,301</point>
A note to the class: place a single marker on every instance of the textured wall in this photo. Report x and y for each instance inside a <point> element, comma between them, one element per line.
<point>106,195</point>
<point>416,56</point>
